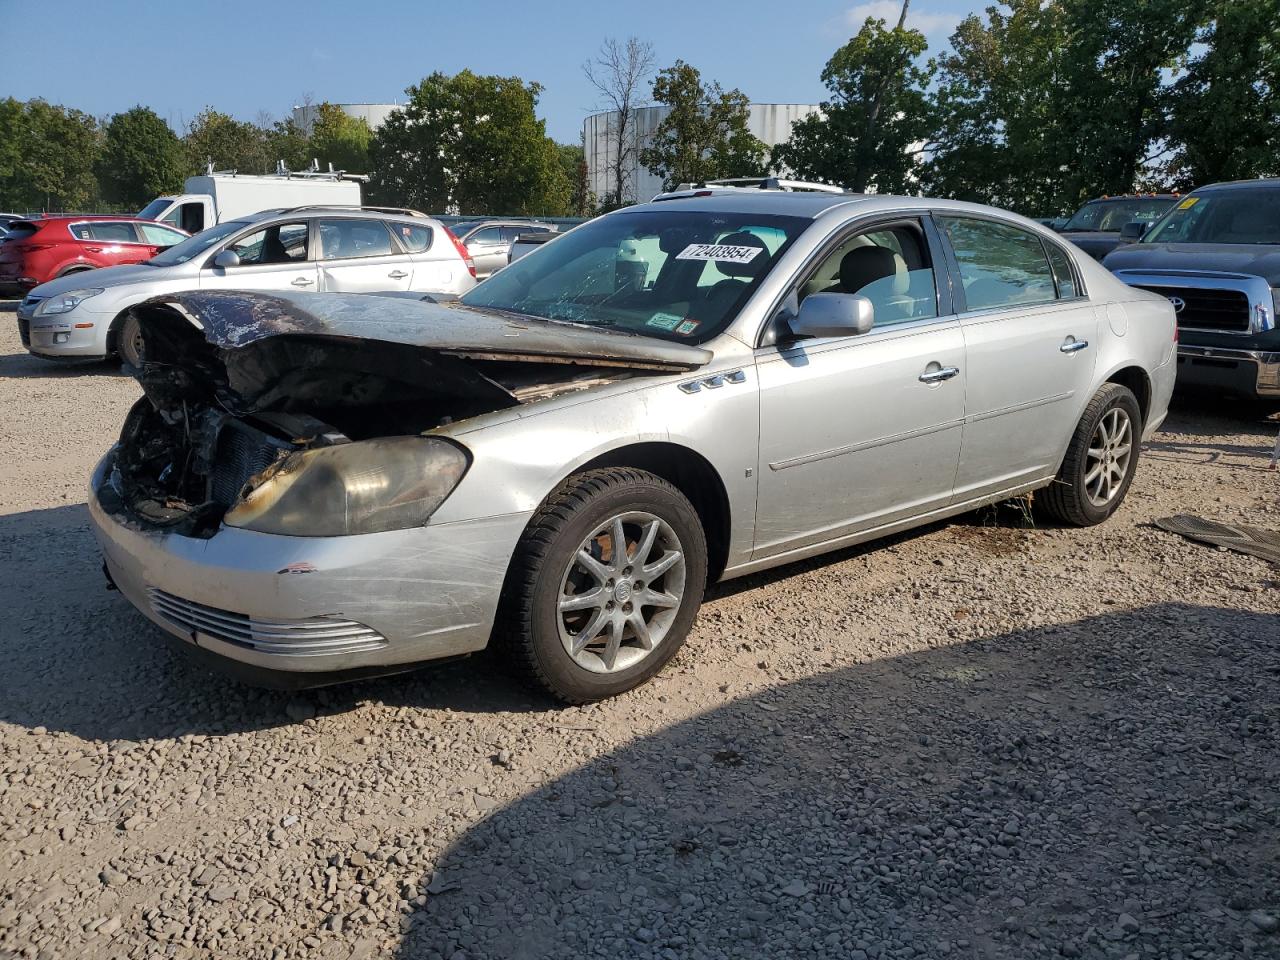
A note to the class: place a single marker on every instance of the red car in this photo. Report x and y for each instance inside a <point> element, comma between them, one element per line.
<point>35,251</point>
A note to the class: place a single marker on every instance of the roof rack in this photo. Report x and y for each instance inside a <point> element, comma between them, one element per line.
<point>403,211</point>
<point>770,183</point>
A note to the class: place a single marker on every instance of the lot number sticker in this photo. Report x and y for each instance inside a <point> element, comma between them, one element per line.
<point>718,251</point>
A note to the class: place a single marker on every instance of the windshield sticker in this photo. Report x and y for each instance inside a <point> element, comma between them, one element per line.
<point>664,321</point>
<point>687,327</point>
<point>1188,203</point>
<point>718,251</point>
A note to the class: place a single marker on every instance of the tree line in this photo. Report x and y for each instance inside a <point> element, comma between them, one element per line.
<point>1035,105</point>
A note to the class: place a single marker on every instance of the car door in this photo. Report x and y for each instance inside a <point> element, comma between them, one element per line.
<point>358,255</point>
<point>275,257</point>
<point>488,250</point>
<point>1030,337</point>
<point>435,266</point>
<point>859,432</point>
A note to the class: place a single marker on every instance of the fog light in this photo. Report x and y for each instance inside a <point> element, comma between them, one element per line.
<point>61,337</point>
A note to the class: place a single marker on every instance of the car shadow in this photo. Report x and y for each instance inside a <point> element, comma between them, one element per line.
<point>9,306</point>
<point>26,365</point>
<point>1096,789</point>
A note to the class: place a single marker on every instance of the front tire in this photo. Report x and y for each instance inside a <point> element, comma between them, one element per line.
<point>129,341</point>
<point>605,583</point>
<point>1100,461</point>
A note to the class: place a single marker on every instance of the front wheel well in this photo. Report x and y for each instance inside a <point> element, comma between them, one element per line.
<point>691,474</point>
<point>113,330</point>
<point>1136,379</point>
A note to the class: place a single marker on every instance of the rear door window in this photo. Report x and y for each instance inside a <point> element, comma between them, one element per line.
<point>113,232</point>
<point>1000,265</point>
<point>349,239</point>
<point>160,236</point>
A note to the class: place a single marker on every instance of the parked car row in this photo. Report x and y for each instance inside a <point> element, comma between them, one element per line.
<point>343,250</point>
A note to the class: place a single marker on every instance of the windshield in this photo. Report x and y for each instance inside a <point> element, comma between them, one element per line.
<point>1112,215</point>
<point>194,246</point>
<point>1250,215</point>
<point>679,275</point>
<point>154,208</point>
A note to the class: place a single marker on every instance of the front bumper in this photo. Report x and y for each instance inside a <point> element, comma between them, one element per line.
<point>78,334</point>
<point>315,608</point>
<point>1248,373</point>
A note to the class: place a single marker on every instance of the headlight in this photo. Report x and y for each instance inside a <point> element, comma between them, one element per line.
<point>365,487</point>
<point>65,302</point>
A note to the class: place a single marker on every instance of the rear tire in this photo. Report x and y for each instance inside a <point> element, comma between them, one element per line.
<point>588,622</point>
<point>129,341</point>
<point>1100,461</point>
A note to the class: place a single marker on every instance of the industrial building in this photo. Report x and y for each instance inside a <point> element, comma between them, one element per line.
<point>374,114</point>
<point>770,122</point>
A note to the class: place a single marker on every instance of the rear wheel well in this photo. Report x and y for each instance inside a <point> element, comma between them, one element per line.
<point>1136,379</point>
<point>692,475</point>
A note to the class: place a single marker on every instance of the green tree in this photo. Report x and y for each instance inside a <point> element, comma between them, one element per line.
<point>141,159</point>
<point>1225,110</point>
<point>1043,105</point>
<point>340,139</point>
<point>704,135</point>
<point>868,131</point>
<point>573,162</point>
<point>285,140</point>
<point>47,157</point>
<point>227,143</point>
<point>470,144</point>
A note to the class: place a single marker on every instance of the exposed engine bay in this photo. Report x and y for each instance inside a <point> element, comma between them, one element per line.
<point>224,410</point>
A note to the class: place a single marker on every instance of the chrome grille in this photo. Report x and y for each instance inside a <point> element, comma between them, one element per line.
<point>314,635</point>
<point>1208,308</point>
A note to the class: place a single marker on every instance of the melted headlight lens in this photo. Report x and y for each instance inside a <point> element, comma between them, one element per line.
<point>366,487</point>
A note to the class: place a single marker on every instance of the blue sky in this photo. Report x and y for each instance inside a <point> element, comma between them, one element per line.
<point>178,56</point>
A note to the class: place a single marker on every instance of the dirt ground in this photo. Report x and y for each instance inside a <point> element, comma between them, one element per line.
<point>978,740</point>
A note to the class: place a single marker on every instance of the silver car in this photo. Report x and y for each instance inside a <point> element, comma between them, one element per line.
<point>316,488</point>
<point>338,249</point>
<point>489,241</point>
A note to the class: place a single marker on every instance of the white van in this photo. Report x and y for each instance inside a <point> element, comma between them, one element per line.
<point>216,197</point>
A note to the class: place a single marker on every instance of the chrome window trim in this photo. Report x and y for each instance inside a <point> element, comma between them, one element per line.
<point>1083,295</point>
<point>90,224</point>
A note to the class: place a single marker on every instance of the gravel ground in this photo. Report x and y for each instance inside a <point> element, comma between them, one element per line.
<point>976,741</point>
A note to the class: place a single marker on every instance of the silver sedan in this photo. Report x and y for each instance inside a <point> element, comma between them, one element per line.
<point>317,487</point>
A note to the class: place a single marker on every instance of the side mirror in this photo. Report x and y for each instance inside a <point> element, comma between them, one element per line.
<point>833,315</point>
<point>1058,224</point>
<point>1132,232</point>
<point>227,258</point>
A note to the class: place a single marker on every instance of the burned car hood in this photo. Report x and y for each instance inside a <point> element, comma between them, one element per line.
<point>260,351</point>
<point>1258,259</point>
<point>230,319</point>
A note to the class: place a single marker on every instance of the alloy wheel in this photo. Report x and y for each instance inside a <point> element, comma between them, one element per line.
<point>621,592</point>
<point>1107,459</point>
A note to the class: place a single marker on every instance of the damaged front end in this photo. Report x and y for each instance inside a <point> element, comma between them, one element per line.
<point>309,415</point>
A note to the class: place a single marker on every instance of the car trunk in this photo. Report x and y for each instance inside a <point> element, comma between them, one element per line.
<point>234,382</point>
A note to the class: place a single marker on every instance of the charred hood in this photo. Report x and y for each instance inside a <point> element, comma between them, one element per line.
<point>250,352</point>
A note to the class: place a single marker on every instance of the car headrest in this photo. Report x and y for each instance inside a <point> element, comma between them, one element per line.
<point>743,268</point>
<point>863,266</point>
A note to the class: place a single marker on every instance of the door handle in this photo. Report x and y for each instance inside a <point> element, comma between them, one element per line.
<point>1072,345</point>
<point>302,282</point>
<point>397,274</point>
<point>94,249</point>
<point>937,376</point>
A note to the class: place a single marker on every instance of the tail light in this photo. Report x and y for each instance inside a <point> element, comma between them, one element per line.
<point>463,252</point>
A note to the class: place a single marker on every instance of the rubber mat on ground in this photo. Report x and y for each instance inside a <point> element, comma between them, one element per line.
<point>1251,540</point>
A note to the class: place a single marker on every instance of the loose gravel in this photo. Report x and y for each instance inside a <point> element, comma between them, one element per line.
<point>979,740</point>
